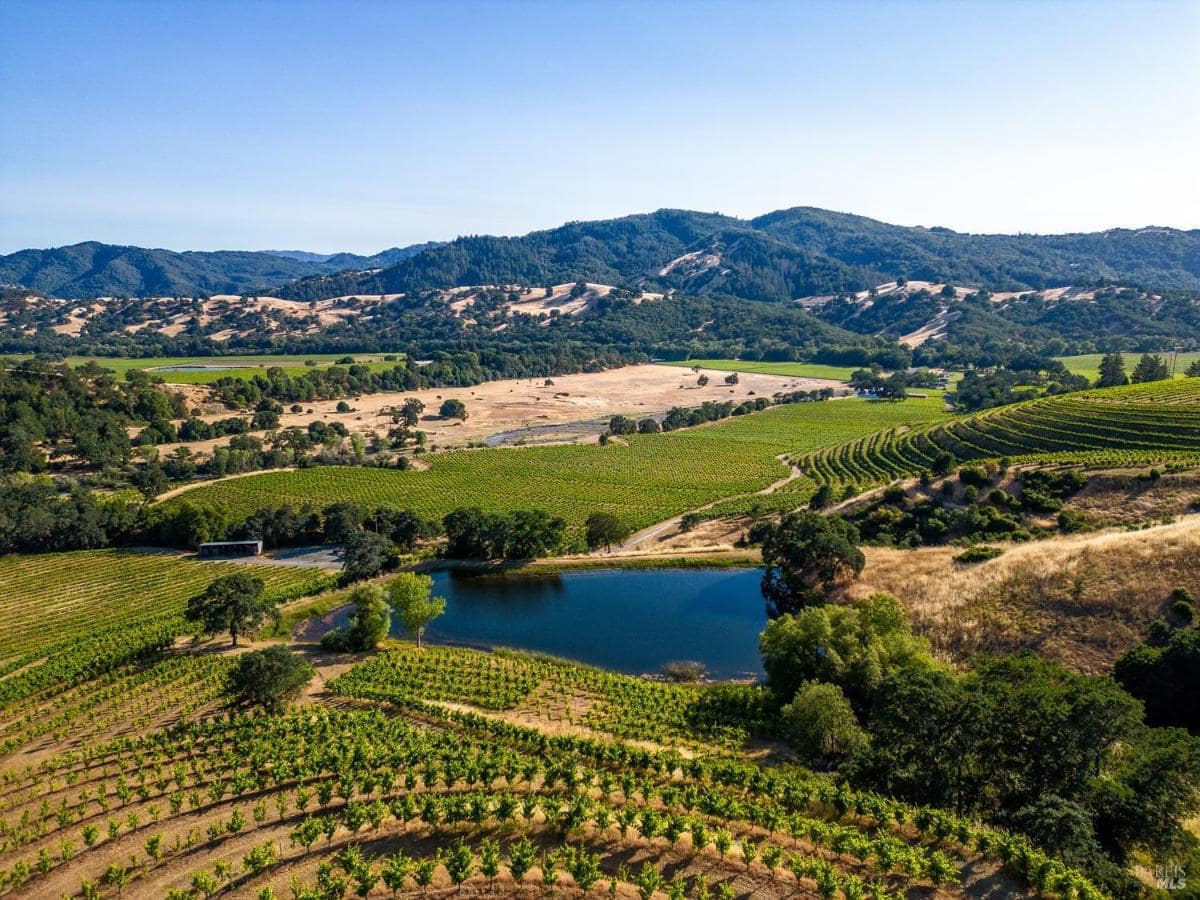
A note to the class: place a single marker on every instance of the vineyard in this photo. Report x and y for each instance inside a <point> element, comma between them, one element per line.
<point>560,693</point>
<point>377,797</point>
<point>73,617</point>
<point>643,480</point>
<point>1138,425</point>
<point>71,595</point>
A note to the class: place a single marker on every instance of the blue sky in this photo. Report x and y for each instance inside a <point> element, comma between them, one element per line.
<point>356,126</point>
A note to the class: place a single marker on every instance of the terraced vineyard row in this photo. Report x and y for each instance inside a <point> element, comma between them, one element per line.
<point>559,691</point>
<point>1143,424</point>
<point>318,802</point>
<point>646,480</point>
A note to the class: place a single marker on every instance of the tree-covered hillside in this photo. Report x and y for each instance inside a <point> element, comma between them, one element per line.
<point>93,269</point>
<point>784,255</point>
<point>779,256</point>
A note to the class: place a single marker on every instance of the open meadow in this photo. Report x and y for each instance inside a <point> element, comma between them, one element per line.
<point>207,369</point>
<point>1088,364</point>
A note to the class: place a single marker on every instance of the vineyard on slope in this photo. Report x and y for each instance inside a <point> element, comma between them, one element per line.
<point>320,802</point>
<point>1138,425</point>
<point>643,480</point>
<point>70,595</point>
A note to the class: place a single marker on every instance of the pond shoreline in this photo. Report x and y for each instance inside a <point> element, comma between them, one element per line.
<point>630,620</point>
<point>712,559</point>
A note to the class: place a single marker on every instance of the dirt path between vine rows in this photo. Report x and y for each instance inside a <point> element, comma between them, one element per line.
<point>640,537</point>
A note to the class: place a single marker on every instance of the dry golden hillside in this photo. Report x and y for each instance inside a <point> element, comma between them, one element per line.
<point>1082,600</point>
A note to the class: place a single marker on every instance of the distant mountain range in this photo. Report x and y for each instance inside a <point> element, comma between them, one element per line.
<point>783,255</point>
<point>92,269</point>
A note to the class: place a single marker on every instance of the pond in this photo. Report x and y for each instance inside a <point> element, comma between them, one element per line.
<point>629,620</point>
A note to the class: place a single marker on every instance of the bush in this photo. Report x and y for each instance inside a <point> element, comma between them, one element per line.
<point>979,553</point>
<point>1183,611</point>
<point>822,498</point>
<point>269,678</point>
<point>453,409</point>
<point>974,476</point>
<point>684,671</point>
<point>1073,520</point>
<point>820,725</point>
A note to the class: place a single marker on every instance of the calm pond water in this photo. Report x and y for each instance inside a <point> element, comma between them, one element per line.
<point>630,620</point>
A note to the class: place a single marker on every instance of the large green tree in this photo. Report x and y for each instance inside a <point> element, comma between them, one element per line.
<point>1112,371</point>
<point>603,530</point>
<point>368,624</point>
<point>409,595</point>
<point>233,603</point>
<point>269,678</point>
<point>365,554</point>
<point>853,647</point>
<point>1151,367</point>
<point>804,553</point>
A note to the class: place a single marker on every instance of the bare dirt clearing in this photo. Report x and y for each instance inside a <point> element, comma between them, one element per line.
<point>534,404</point>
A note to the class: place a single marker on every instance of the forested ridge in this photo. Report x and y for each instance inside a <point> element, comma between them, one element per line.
<point>93,269</point>
<point>778,256</point>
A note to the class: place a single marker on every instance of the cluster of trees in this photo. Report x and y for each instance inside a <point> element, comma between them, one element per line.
<point>408,595</point>
<point>967,507</point>
<point>1164,673</point>
<point>885,387</point>
<point>1023,377</point>
<point>54,412</point>
<point>521,534</point>
<point>711,411</point>
<point>37,517</point>
<point>1067,759</point>
<point>1149,367</point>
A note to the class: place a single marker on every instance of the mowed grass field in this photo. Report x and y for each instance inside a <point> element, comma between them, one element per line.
<point>797,369</point>
<point>1088,365</point>
<point>643,480</point>
<point>240,366</point>
<point>57,596</point>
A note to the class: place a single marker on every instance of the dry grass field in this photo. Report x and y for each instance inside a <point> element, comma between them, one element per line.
<point>1082,600</point>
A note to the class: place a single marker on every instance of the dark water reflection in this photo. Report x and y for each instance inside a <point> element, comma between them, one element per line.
<point>630,620</point>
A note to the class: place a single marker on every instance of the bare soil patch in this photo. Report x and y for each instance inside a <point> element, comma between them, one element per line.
<point>498,406</point>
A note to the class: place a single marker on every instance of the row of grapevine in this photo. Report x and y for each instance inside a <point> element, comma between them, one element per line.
<point>1138,425</point>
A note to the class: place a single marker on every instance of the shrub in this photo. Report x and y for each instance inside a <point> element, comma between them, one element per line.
<point>974,476</point>
<point>684,670</point>
<point>979,553</point>
<point>1073,520</point>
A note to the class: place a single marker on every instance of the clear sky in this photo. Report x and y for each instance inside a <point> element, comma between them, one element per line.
<point>361,125</point>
